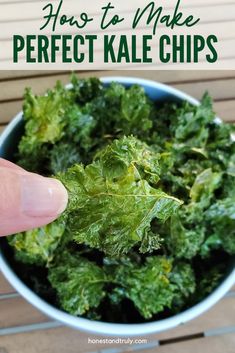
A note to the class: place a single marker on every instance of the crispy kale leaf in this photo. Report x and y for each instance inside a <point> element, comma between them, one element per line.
<point>86,89</point>
<point>191,123</point>
<point>187,229</point>
<point>39,245</point>
<point>222,218</point>
<point>147,285</point>
<point>78,282</point>
<point>135,111</point>
<point>212,242</point>
<point>63,156</point>
<point>113,204</point>
<point>79,127</point>
<point>204,186</point>
<point>44,123</point>
<point>44,116</point>
<point>154,286</point>
<point>209,279</point>
<point>151,241</point>
<point>183,242</point>
<point>183,278</point>
<point>120,111</point>
<point>118,156</point>
<point>121,201</point>
<point>87,116</point>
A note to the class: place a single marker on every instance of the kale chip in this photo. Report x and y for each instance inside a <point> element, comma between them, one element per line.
<point>121,201</point>
<point>78,282</point>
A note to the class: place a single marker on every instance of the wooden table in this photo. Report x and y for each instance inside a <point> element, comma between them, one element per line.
<point>23,329</point>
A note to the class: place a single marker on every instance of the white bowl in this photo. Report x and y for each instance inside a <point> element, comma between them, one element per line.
<point>158,92</point>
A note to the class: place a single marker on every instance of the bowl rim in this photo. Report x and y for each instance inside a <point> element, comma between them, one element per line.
<point>100,327</point>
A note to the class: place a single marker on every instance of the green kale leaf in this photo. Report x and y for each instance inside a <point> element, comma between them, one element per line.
<point>120,111</point>
<point>118,156</point>
<point>39,245</point>
<point>135,111</point>
<point>79,282</point>
<point>121,201</point>
<point>44,123</point>
<point>79,127</point>
<point>204,186</point>
<point>183,242</point>
<point>208,281</point>
<point>63,156</point>
<point>147,285</point>
<point>212,242</point>
<point>192,123</point>
<point>222,218</point>
<point>84,90</point>
<point>183,278</point>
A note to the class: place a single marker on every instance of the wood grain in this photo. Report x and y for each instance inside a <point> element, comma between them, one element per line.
<point>59,340</point>
<point>206,28</point>
<point>2,127</point>
<point>16,311</point>
<point>193,83</point>
<point>226,110</point>
<point>70,341</point>
<point>29,12</point>
<point>217,344</point>
<point>9,110</point>
<point>222,314</point>
<point>220,88</point>
<point>190,3</point>
<point>164,76</point>
<point>6,75</point>
<point>33,11</point>
<point>5,287</point>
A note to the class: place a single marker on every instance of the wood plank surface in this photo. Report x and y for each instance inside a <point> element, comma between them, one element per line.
<point>16,311</point>
<point>226,110</point>
<point>217,9</point>
<point>219,344</point>
<point>222,314</point>
<point>221,27</point>
<point>6,75</point>
<point>2,127</point>
<point>9,110</point>
<point>190,3</point>
<point>59,340</point>
<point>33,10</point>
<point>164,76</point>
<point>70,341</point>
<point>222,88</point>
<point>5,287</point>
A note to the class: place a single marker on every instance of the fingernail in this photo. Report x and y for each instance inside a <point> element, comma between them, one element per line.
<point>42,197</point>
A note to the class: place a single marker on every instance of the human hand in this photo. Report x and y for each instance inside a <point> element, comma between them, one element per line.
<point>28,200</point>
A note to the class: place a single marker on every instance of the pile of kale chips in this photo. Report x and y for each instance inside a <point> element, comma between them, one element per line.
<point>150,225</point>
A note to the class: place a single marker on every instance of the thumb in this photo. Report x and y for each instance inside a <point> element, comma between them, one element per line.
<point>28,200</point>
